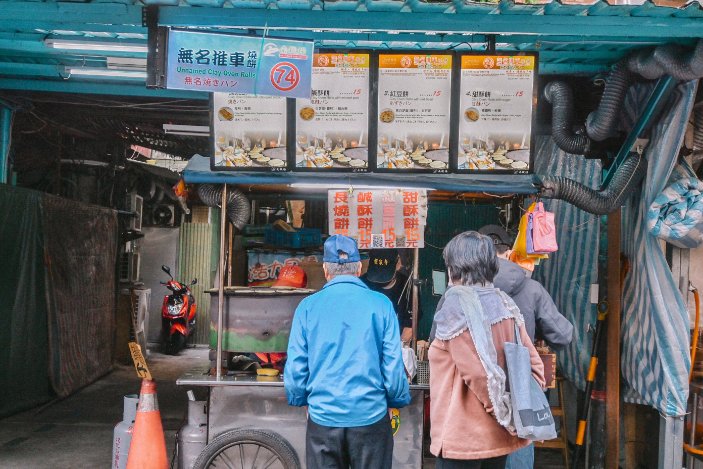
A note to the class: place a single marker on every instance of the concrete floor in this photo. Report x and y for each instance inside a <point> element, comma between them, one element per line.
<point>77,432</point>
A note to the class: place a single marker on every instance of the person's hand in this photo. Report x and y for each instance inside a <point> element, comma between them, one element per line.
<point>407,335</point>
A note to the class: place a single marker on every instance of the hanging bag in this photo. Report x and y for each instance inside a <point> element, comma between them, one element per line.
<point>532,415</point>
<point>544,233</point>
<point>520,245</point>
<point>528,237</point>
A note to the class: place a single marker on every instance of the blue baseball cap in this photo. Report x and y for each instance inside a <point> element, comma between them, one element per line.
<point>341,250</point>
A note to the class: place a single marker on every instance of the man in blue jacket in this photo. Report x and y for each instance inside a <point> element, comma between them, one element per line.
<point>345,364</point>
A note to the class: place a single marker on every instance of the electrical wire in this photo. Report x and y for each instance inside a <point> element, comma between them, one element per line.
<point>696,329</point>
<point>156,106</point>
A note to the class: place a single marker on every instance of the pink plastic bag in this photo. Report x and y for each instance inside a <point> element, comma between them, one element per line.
<point>544,234</point>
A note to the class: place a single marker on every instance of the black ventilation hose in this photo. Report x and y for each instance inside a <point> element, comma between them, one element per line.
<point>644,64</point>
<point>651,64</point>
<point>559,94</point>
<point>599,202</point>
<point>602,121</point>
<point>238,207</point>
<point>680,63</point>
<point>668,59</point>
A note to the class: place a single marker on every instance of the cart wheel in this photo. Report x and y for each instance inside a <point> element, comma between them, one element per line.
<point>248,449</point>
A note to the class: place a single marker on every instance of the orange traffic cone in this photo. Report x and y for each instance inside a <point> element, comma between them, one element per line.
<point>148,447</point>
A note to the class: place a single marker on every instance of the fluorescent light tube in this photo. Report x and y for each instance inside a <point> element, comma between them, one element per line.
<point>198,129</point>
<point>104,72</point>
<point>102,46</point>
<point>320,185</point>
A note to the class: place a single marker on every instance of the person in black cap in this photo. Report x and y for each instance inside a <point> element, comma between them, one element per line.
<point>385,275</point>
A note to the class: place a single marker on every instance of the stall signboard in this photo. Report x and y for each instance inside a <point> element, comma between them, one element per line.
<point>496,107</point>
<point>414,100</point>
<point>263,267</point>
<point>379,218</point>
<point>332,126</point>
<point>201,61</point>
<point>248,132</point>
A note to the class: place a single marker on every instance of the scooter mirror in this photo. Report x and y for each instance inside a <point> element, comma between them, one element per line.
<point>166,269</point>
<point>195,280</point>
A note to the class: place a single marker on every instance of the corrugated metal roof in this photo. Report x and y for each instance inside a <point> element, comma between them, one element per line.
<point>572,36</point>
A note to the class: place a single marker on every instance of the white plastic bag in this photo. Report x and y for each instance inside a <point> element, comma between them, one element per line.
<point>410,362</point>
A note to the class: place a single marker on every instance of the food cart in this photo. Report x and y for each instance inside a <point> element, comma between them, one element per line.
<point>376,131</point>
<point>249,420</point>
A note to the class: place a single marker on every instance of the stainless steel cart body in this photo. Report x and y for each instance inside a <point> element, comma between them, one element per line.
<point>260,403</point>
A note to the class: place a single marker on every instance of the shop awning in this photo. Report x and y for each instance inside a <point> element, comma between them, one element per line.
<point>198,172</point>
<point>100,47</point>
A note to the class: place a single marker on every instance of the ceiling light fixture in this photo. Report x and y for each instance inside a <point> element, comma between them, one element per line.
<point>194,130</point>
<point>328,186</point>
<point>104,72</point>
<point>100,46</point>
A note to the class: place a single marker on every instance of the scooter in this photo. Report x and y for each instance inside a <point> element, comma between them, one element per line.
<point>177,315</point>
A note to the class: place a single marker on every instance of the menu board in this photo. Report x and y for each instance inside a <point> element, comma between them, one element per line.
<point>248,132</point>
<point>414,98</point>
<point>495,121</point>
<point>332,126</point>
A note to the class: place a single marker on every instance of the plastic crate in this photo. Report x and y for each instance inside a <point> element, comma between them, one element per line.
<point>423,372</point>
<point>301,238</point>
<point>255,230</point>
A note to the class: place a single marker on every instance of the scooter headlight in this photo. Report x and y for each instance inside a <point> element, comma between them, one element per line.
<point>174,310</point>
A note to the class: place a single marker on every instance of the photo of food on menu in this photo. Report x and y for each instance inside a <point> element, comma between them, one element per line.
<point>418,151</point>
<point>336,149</point>
<point>249,132</point>
<point>494,151</point>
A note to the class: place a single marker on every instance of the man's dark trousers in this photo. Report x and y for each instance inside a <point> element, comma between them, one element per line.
<point>367,447</point>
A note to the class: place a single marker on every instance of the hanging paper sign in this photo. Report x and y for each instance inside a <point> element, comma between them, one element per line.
<point>243,64</point>
<point>496,108</point>
<point>249,132</point>
<point>414,98</point>
<point>332,126</point>
<point>379,219</point>
<point>139,361</point>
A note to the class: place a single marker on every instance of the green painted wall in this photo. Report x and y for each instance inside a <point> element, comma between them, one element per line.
<point>444,221</point>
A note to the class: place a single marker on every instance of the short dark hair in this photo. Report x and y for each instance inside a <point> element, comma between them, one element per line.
<point>471,258</point>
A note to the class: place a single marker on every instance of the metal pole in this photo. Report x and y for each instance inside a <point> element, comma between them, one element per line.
<point>590,380</point>
<point>692,439</point>
<point>221,283</point>
<point>612,363</point>
<point>5,134</point>
<point>416,301</point>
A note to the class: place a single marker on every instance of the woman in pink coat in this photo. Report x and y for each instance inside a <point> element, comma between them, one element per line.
<point>471,425</point>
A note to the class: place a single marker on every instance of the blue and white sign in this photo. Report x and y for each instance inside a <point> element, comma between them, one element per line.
<point>243,64</point>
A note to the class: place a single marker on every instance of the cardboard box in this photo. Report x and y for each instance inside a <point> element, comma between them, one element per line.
<point>316,275</point>
<point>550,368</point>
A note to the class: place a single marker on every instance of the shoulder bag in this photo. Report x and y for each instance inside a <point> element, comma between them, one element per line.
<point>531,412</point>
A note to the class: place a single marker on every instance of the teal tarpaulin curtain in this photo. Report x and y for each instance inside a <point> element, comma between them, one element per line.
<point>655,343</point>
<point>568,273</point>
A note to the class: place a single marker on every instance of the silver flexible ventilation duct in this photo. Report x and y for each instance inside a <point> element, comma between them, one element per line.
<point>238,207</point>
<point>598,202</point>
